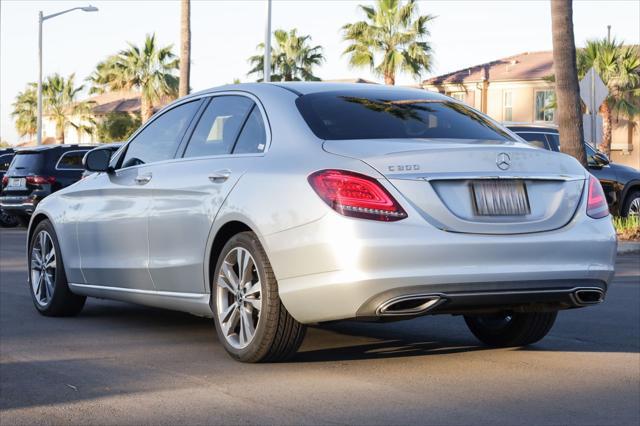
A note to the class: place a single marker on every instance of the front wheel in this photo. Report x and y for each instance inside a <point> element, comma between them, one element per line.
<point>511,329</point>
<point>251,321</point>
<point>631,206</point>
<point>47,280</point>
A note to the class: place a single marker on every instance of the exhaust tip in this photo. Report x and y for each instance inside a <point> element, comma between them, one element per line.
<point>589,296</point>
<point>409,305</point>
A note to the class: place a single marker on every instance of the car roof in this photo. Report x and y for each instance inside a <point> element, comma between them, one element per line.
<point>42,148</point>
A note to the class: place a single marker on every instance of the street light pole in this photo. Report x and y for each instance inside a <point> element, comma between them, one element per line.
<point>41,19</point>
<point>267,45</point>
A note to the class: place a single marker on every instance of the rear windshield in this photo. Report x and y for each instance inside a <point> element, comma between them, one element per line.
<point>26,163</point>
<point>385,115</point>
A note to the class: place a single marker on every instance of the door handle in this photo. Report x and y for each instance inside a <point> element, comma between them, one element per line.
<point>143,179</point>
<point>220,176</point>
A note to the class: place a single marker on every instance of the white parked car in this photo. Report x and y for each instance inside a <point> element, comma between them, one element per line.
<point>272,206</point>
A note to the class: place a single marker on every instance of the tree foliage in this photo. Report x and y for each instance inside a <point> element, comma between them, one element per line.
<point>117,127</point>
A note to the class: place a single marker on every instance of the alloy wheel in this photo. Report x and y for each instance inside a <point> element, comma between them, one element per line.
<point>239,297</point>
<point>634,208</point>
<point>43,268</point>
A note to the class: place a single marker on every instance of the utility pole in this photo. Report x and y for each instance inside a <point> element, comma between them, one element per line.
<point>267,45</point>
<point>608,33</point>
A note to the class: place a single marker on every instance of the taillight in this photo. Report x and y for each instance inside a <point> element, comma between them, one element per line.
<point>596,202</point>
<point>41,180</point>
<point>356,195</point>
<point>5,180</point>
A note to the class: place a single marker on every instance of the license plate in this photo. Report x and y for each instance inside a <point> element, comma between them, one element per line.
<point>500,198</point>
<point>17,183</point>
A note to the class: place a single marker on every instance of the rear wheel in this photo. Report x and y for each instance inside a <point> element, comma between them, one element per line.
<point>7,220</point>
<point>632,205</point>
<point>47,280</point>
<point>511,329</point>
<point>251,321</point>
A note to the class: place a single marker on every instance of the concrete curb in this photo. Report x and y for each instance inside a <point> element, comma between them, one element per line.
<point>627,247</point>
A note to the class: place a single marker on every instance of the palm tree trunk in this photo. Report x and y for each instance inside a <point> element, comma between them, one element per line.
<point>605,146</point>
<point>60,133</point>
<point>146,109</point>
<point>185,48</point>
<point>390,79</point>
<point>567,92</point>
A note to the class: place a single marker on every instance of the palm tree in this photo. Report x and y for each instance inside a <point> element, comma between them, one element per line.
<point>147,69</point>
<point>61,105</point>
<point>569,110</point>
<point>185,48</point>
<point>619,67</point>
<point>393,32</point>
<point>25,111</point>
<point>292,59</point>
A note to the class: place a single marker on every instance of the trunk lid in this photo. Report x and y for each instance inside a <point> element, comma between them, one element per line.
<point>445,181</point>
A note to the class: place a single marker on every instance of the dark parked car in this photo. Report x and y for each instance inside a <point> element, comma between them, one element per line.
<point>37,172</point>
<point>620,183</point>
<point>6,155</point>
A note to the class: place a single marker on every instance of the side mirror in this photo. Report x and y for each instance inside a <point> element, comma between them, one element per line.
<point>600,159</point>
<point>97,160</point>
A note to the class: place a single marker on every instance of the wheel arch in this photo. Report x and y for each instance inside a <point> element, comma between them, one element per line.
<point>629,188</point>
<point>223,234</point>
<point>35,221</point>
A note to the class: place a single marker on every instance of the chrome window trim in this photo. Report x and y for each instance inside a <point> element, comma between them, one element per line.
<point>169,107</point>
<point>69,152</point>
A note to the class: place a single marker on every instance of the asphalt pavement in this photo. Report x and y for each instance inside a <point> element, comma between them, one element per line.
<point>118,363</point>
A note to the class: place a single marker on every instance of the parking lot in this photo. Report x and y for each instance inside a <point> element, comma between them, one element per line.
<point>121,363</point>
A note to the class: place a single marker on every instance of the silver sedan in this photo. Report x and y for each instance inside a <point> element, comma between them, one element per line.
<point>273,206</point>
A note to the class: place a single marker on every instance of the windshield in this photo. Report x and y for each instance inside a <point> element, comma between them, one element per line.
<point>386,115</point>
<point>25,163</point>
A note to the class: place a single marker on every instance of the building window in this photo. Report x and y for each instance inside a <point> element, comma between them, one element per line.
<point>544,101</point>
<point>460,96</point>
<point>507,105</point>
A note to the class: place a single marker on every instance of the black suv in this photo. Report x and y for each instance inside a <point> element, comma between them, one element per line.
<point>620,183</point>
<point>37,172</point>
<point>6,155</point>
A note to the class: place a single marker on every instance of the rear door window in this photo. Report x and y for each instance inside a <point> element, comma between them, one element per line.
<point>71,160</point>
<point>253,138</point>
<point>26,163</point>
<point>554,141</point>
<point>219,125</point>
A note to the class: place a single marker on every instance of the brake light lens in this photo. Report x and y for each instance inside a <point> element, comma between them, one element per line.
<point>5,180</point>
<point>596,202</point>
<point>41,180</point>
<point>355,195</point>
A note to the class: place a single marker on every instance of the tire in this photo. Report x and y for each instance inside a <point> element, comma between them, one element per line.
<point>631,205</point>
<point>51,295</point>
<point>514,329</point>
<point>7,220</point>
<point>276,334</point>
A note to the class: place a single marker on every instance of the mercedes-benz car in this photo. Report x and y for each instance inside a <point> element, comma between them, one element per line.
<point>273,206</point>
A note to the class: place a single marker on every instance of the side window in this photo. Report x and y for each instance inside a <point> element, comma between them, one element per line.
<point>5,160</point>
<point>253,138</point>
<point>536,139</point>
<point>219,125</point>
<point>554,141</point>
<point>71,160</point>
<point>160,139</point>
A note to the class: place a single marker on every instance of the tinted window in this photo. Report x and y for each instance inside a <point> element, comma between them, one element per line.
<point>554,141</point>
<point>218,127</point>
<point>5,160</point>
<point>385,114</point>
<point>25,163</point>
<point>71,160</point>
<point>536,139</point>
<point>253,138</point>
<point>160,139</point>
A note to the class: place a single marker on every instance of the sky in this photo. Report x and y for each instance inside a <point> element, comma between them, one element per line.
<point>225,34</point>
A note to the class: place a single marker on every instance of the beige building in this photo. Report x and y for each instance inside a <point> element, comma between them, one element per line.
<point>518,89</point>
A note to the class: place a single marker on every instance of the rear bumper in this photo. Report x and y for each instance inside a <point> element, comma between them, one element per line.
<point>19,204</point>
<point>339,268</point>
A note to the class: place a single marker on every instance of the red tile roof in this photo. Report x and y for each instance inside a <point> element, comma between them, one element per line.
<point>525,66</point>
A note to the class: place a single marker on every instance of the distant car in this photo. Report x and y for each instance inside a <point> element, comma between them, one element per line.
<point>6,155</point>
<point>110,147</point>
<point>620,183</point>
<point>37,172</point>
